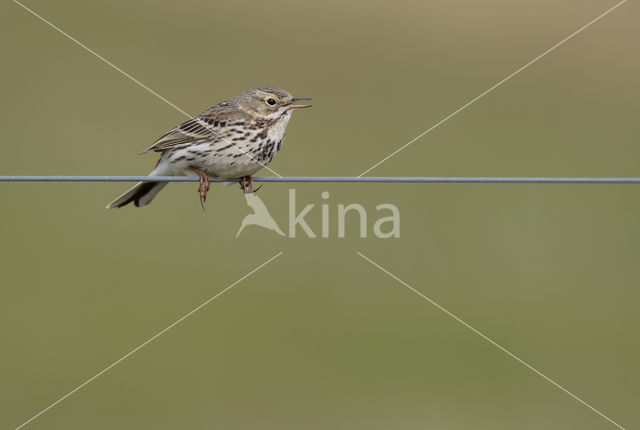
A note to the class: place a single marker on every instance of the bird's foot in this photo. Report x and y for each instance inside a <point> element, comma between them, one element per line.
<point>246,184</point>
<point>205,185</point>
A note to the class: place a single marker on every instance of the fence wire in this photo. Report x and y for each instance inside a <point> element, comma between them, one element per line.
<point>377,179</point>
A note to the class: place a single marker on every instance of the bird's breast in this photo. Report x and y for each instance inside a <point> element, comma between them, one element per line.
<point>277,130</point>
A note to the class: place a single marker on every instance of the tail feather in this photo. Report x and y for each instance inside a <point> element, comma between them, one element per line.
<point>141,194</point>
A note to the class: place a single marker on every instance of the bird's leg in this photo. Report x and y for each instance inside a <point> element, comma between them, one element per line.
<point>246,184</point>
<point>250,190</point>
<point>205,185</point>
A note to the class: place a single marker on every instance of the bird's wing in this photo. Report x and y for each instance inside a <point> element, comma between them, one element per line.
<point>212,125</point>
<point>194,130</point>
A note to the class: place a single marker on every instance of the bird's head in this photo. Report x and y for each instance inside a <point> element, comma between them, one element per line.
<point>268,102</point>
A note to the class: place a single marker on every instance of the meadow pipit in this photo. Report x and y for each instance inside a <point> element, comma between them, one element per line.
<point>233,139</point>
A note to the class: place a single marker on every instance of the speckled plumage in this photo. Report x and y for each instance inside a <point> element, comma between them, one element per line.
<point>232,139</point>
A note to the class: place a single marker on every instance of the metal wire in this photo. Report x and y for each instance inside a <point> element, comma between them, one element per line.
<point>386,179</point>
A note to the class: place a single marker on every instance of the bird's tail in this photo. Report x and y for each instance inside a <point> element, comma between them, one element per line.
<point>141,194</point>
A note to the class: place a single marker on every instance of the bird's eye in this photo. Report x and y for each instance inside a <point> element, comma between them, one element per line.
<point>271,102</point>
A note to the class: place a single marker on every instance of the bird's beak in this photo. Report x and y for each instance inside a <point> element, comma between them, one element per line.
<point>297,99</point>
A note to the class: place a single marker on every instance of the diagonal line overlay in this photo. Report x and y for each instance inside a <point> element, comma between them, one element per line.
<point>501,348</point>
<point>202,123</point>
<point>469,103</point>
<point>145,343</point>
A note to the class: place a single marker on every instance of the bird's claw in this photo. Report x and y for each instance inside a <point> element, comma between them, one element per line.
<point>205,185</point>
<point>246,184</point>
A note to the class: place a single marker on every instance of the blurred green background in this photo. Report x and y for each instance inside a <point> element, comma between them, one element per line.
<point>320,338</point>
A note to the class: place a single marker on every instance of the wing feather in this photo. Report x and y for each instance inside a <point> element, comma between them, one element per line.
<point>212,125</point>
<point>188,132</point>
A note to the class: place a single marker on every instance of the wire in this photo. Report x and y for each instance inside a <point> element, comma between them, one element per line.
<point>385,179</point>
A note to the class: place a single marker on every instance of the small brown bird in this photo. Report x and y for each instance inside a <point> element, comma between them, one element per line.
<point>233,139</point>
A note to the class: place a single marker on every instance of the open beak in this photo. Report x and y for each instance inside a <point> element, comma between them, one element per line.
<point>297,99</point>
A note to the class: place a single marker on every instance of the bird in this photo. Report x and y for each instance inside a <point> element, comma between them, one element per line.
<point>233,139</point>
<point>260,216</point>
